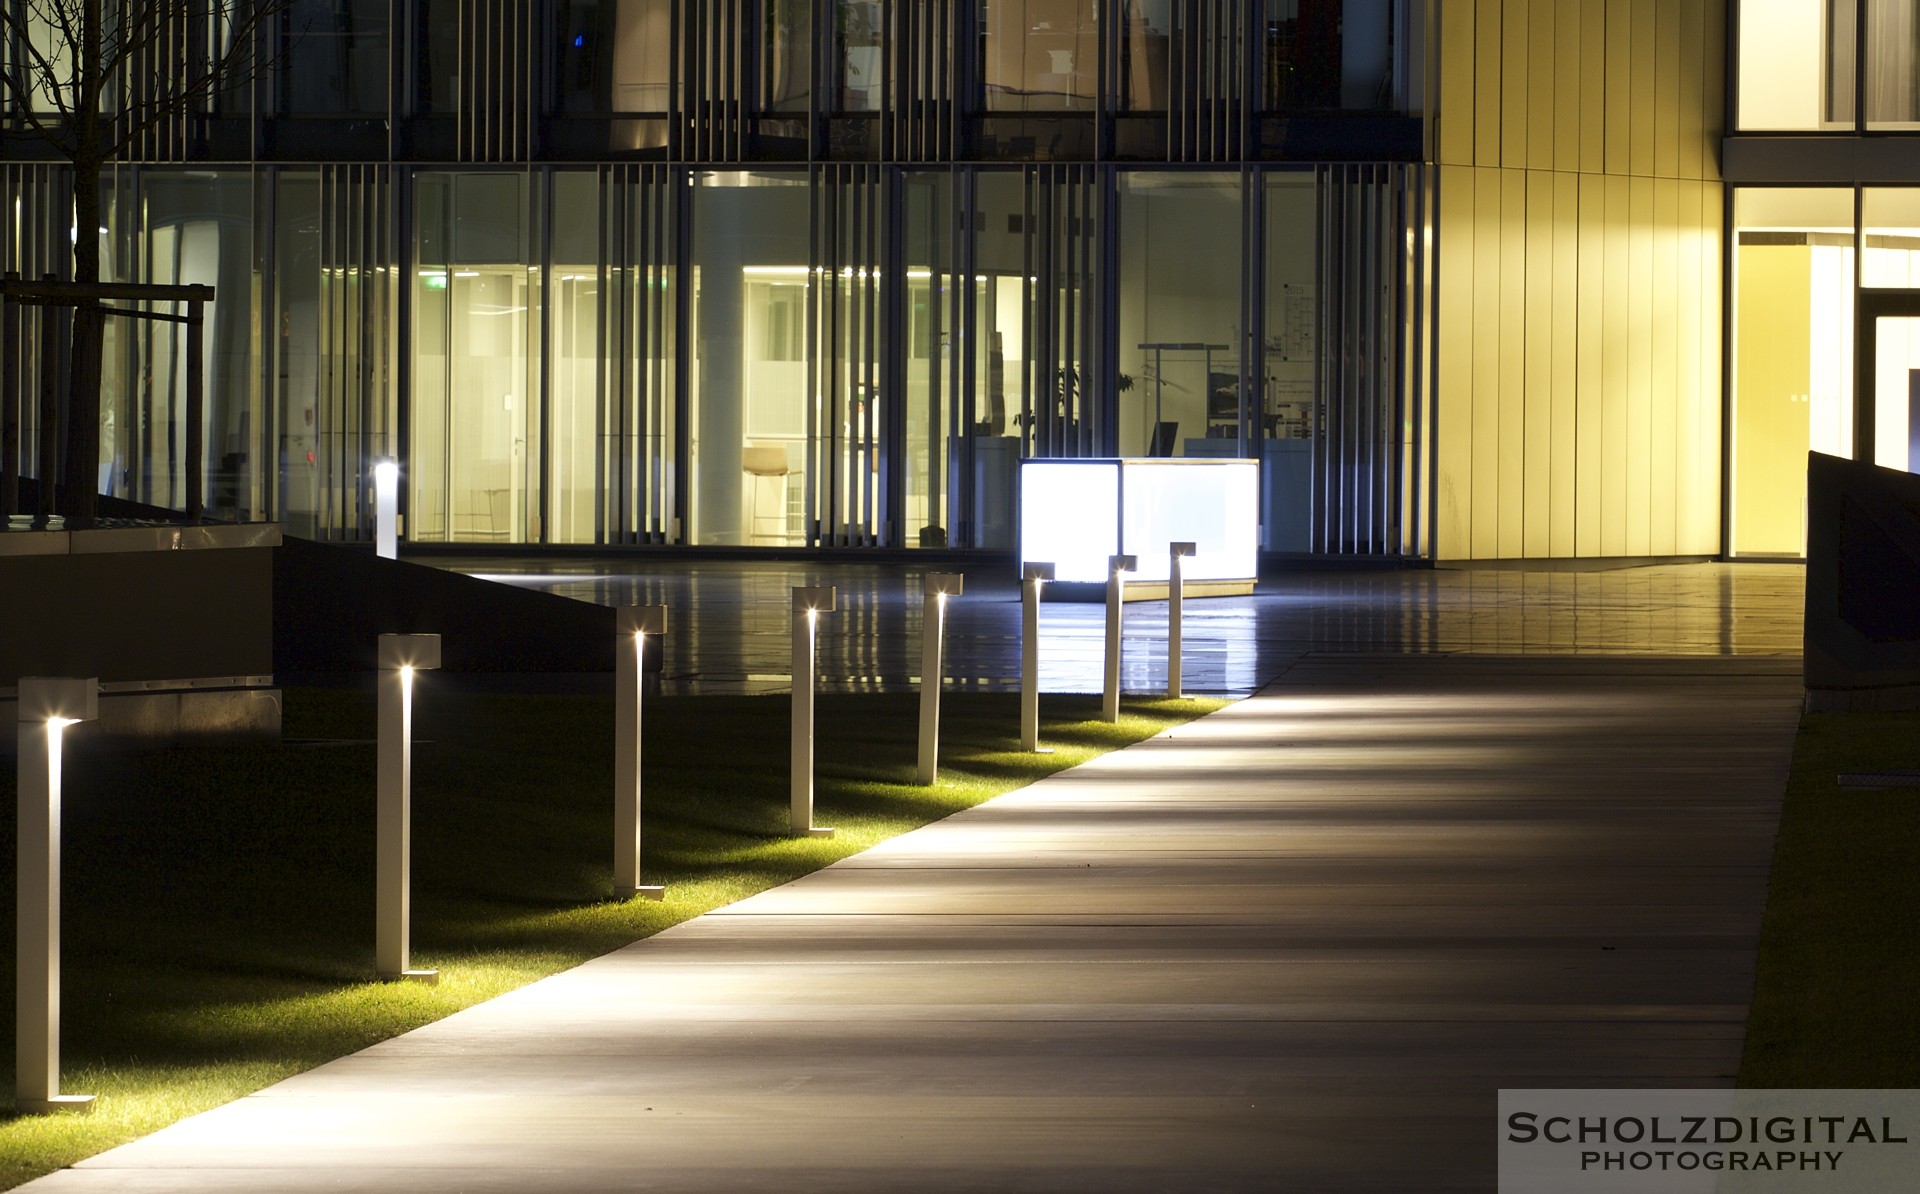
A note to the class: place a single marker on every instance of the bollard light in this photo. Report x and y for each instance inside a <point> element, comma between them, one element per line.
<point>633,626</point>
<point>1176,601</point>
<point>808,605</point>
<point>386,507</point>
<point>937,587</point>
<point>1117,568</point>
<point>1032,577</point>
<point>47,705</point>
<point>401,655</point>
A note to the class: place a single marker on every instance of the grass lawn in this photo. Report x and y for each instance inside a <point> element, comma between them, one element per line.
<point>219,902</point>
<point>1837,1002</point>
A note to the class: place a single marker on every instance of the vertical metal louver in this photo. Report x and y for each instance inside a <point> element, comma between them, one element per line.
<point>636,371</point>
<point>495,92</point>
<point>1372,441</point>
<point>356,414</point>
<point>1067,316</point>
<point>847,327</point>
<point>715,39</point>
<point>923,46</point>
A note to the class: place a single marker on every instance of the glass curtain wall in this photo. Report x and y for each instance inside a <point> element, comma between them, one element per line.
<point>1793,329</point>
<point>614,61</point>
<point>333,58</point>
<point>1890,260</point>
<point>476,365</point>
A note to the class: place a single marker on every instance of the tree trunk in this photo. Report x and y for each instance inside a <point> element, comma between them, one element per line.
<point>82,468</point>
<point>91,134</point>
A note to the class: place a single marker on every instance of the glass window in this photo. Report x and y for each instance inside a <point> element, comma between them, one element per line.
<point>1797,64</point>
<point>1325,55</point>
<point>1180,311</point>
<point>859,27</point>
<point>1893,64</point>
<point>1793,356</point>
<point>334,58</point>
<point>1040,55</point>
<point>786,69</point>
<point>614,55</point>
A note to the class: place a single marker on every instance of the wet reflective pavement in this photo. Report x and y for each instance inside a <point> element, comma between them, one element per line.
<point>731,620</point>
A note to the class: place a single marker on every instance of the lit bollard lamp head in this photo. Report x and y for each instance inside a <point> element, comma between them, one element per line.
<point>1040,572</point>
<point>640,619</point>
<point>1119,564</point>
<point>1182,550</point>
<point>815,600</point>
<point>409,652</point>
<point>59,699</point>
<point>943,584</point>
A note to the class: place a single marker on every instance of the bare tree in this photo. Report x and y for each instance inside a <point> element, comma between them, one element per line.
<point>95,79</point>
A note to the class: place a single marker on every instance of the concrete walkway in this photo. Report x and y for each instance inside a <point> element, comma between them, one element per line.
<point>1296,946</point>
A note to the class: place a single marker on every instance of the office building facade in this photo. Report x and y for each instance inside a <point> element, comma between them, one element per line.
<point>818,273</point>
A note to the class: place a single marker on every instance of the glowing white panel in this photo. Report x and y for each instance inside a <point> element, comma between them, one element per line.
<point>1076,513</point>
<point>1213,504</point>
<point>1070,516</point>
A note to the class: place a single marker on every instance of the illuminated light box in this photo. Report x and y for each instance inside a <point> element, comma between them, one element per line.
<point>1077,513</point>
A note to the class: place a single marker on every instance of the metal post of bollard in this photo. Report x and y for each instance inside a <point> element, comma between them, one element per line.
<point>401,655</point>
<point>808,605</point>
<point>633,626</point>
<point>1032,579</point>
<point>1176,602</point>
<point>937,587</point>
<point>1117,568</point>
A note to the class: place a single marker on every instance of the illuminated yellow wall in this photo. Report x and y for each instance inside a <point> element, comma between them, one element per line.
<point>1579,379</point>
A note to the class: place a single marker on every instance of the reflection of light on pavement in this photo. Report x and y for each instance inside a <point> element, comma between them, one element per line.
<point>737,633</point>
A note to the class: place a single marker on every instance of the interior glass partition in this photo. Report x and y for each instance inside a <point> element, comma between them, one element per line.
<point>1793,327</point>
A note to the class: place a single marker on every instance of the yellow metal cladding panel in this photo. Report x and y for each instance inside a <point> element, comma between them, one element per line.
<point>1455,62</point>
<point>1593,85</point>
<point>1486,364</point>
<point>1713,315</point>
<point>1542,83</point>
<point>1590,366</point>
<point>1514,396</point>
<point>1670,103</point>
<point>1644,106</point>
<point>1640,368</point>
<point>1691,282</point>
<point>1454,348</point>
<point>1670,394</point>
<point>1618,93</point>
<point>1516,71</point>
<point>1537,498</point>
<point>1563,497</point>
<point>1617,314</point>
<point>1567,115</point>
<point>1691,93</point>
<point>1714,93</point>
<point>1486,83</point>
